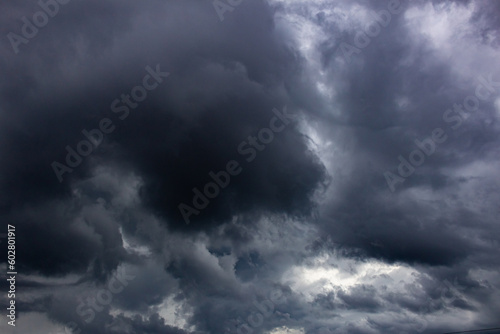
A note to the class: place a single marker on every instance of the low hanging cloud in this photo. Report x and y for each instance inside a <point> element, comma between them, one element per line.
<point>250,166</point>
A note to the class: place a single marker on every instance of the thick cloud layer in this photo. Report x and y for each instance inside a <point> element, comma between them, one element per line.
<point>251,166</point>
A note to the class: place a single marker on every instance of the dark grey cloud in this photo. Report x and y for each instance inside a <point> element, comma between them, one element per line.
<point>311,215</point>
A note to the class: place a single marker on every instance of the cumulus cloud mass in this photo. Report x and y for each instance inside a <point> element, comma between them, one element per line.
<point>249,166</point>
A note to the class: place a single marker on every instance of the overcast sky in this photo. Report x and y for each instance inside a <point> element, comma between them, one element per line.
<point>248,167</point>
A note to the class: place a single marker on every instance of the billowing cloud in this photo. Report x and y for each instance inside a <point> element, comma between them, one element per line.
<point>251,166</point>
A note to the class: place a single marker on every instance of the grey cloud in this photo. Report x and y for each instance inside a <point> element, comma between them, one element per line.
<point>313,200</point>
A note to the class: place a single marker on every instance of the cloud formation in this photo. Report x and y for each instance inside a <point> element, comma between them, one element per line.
<point>298,140</point>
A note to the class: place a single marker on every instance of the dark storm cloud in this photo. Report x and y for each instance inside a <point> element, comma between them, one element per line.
<point>397,226</point>
<point>434,217</point>
<point>43,106</point>
<point>78,238</point>
<point>119,207</point>
<point>224,83</point>
<point>185,129</point>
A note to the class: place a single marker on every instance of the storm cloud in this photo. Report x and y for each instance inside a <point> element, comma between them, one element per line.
<point>263,166</point>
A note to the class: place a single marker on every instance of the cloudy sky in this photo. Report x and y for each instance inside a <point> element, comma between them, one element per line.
<point>250,166</point>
